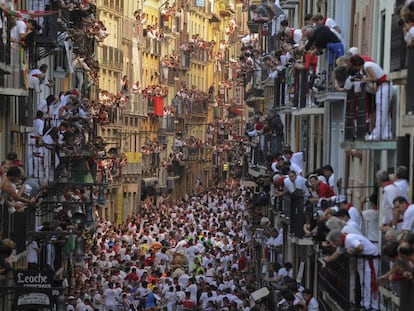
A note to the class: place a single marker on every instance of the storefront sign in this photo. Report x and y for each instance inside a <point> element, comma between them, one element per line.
<point>34,289</point>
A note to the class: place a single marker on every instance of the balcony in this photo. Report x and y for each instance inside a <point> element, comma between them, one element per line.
<point>166,124</point>
<point>185,62</point>
<point>129,29</point>
<point>112,57</point>
<point>362,116</point>
<point>137,105</point>
<point>114,6</point>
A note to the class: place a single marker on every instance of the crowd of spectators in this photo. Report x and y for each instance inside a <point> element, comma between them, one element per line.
<point>315,202</point>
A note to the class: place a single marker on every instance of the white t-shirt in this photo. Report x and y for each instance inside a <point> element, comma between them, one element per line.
<point>371,225</point>
<point>375,68</point>
<point>355,216</point>
<point>331,23</point>
<point>408,221</point>
<point>19,29</point>
<point>110,297</point>
<point>353,241</point>
<point>409,36</point>
<point>390,193</point>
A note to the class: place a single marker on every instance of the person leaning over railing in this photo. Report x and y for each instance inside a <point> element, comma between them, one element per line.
<point>377,83</point>
<point>367,254</point>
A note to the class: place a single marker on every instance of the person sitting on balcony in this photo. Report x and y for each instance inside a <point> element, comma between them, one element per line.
<point>37,77</point>
<point>367,254</point>
<point>376,80</point>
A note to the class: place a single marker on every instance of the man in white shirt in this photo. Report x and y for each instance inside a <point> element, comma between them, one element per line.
<point>296,184</point>
<point>37,77</point>
<point>353,212</point>
<point>390,192</point>
<point>407,210</point>
<point>402,180</point>
<point>311,302</point>
<point>358,245</point>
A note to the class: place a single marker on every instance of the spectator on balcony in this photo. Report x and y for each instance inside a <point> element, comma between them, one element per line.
<point>18,30</point>
<point>319,19</point>
<point>390,192</point>
<point>308,20</point>
<point>407,211</point>
<point>354,213</point>
<point>292,35</point>
<point>296,160</point>
<point>367,254</point>
<point>401,180</point>
<point>296,185</point>
<point>311,303</point>
<point>37,77</point>
<point>355,51</point>
<point>259,14</point>
<point>79,69</point>
<point>320,190</point>
<point>377,84</point>
<point>319,38</point>
<point>9,194</point>
<point>276,129</point>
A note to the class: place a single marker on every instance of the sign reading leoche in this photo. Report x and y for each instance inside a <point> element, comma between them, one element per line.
<point>34,289</point>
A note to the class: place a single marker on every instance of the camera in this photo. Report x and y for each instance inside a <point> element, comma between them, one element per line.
<point>356,77</point>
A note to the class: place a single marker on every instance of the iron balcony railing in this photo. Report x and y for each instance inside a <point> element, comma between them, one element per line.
<point>369,116</point>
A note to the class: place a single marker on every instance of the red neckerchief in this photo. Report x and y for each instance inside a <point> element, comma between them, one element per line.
<point>387,183</point>
<point>348,206</point>
<point>374,286</point>
<point>293,33</point>
<point>343,238</point>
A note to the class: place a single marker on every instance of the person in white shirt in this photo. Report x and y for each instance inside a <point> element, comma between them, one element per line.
<point>353,212</point>
<point>401,180</point>
<point>310,302</point>
<point>319,19</point>
<point>407,210</point>
<point>358,245</point>
<point>37,77</point>
<point>98,302</point>
<point>296,184</point>
<point>328,173</point>
<point>376,78</point>
<point>111,295</point>
<point>390,192</point>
